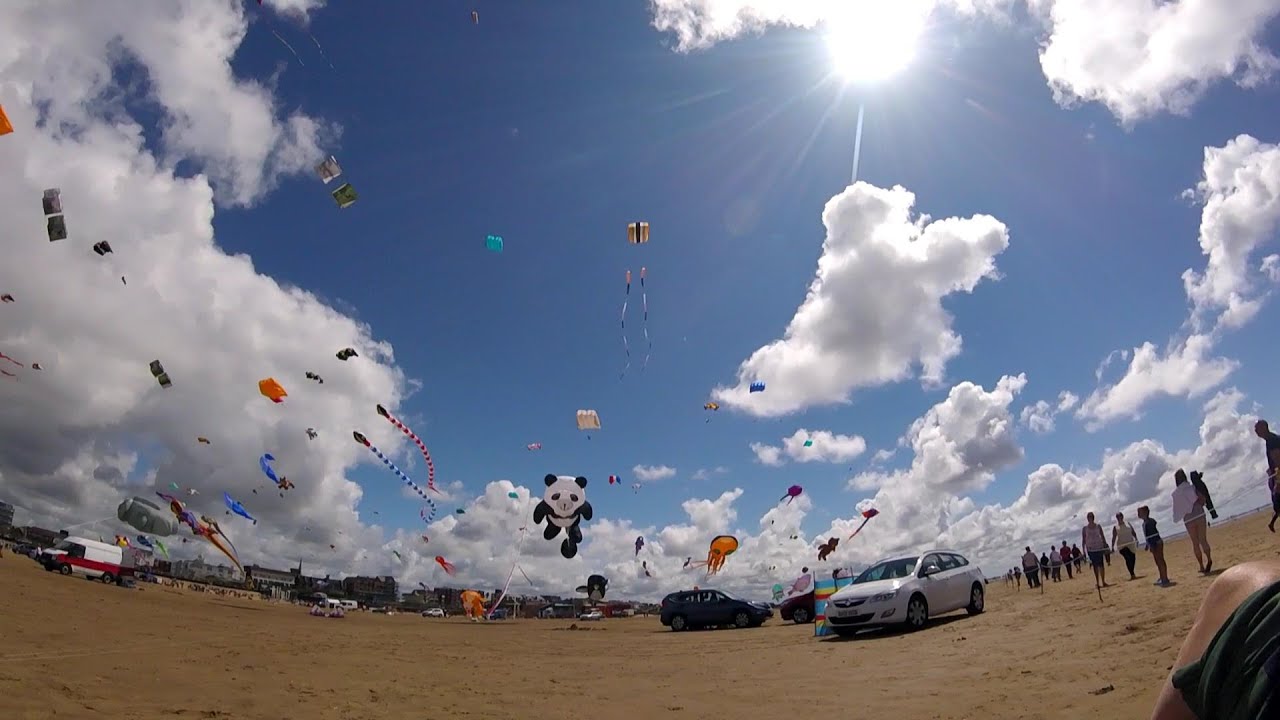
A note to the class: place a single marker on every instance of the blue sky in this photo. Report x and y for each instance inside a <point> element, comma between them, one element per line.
<point>554,127</point>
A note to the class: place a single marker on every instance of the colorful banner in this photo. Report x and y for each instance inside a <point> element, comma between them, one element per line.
<point>824,588</point>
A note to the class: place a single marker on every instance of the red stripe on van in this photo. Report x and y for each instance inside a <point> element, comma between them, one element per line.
<point>117,570</point>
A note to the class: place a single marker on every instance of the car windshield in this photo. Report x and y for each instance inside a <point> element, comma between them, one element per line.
<point>887,570</point>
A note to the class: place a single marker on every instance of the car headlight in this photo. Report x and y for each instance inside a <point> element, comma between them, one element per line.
<point>884,597</point>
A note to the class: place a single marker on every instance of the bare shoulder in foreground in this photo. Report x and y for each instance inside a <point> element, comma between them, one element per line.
<point>1229,664</point>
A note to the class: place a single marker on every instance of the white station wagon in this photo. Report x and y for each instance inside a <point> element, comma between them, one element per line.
<point>906,590</point>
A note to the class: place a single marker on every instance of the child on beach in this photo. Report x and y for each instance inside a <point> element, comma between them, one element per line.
<point>1154,543</point>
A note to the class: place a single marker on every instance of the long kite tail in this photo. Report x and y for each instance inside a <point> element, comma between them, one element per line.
<point>644,298</point>
<point>514,564</point>
<point>326,57</point>
<point>626,347</point>
<point>431,467</point>
<point>855,532</point>
<point>286,44</point>
<point>399,473</point>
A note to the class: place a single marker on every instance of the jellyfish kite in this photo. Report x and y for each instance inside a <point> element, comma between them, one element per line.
<point>644,299</point>
<point>360,438</point>
<point>828,547</point>
<point>162,377</point>
<point>346,354</point>
<point>866,515</point>
<point>595,588</point>
<point>422,448</point>
<point>493,243</point>
<point>272,390</point>
<point>722,546</point>
<point>793,492</point>
<point>234,506</point>
<point>757,386</point>
<point>639,544</point>
<point>446,565</point>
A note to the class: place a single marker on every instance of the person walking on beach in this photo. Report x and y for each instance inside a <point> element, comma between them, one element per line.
<point>1030,568</point>
<point>1044,567</point>
<point>1124,541</point>
<point>1154,543</point>
<point>1188,506</point>
<point>1095,544</point>
<point>1055,564</point>
<point>1017,575</point>
<point>1271,442</point>
<point>1077,557</point>
<point>1064,553</point>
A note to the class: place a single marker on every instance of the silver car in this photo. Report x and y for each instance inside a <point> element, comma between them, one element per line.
<point>907,590</point>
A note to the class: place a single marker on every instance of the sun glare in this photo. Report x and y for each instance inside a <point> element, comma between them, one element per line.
<point>872,40</point>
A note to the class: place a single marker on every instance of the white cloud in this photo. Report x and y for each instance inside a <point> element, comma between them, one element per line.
<point>293,8</point>
<point>1139,57</point>
<point>1241,197</point>
<point>704,473</point>
<point>874,312</point>
<point>72,430</point>
<point>825,446</point>
<point>650,473</point>
<point>1039,418</point>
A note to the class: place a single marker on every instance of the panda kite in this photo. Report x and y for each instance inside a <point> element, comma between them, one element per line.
<point>564,505</point>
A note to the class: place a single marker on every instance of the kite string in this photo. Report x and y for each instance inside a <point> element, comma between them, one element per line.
<point>514,564</point>
<point>626,346</point>
<point>286,44</point>
<point>644,298</point>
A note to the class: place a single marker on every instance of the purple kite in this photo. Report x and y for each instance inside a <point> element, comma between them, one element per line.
<point>793,492</point>
<point>639,544</point>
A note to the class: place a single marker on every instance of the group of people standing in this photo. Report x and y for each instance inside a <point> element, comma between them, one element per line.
<point>1191,503</point>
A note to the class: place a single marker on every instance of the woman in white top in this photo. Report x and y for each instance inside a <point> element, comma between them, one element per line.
<point>1124,539</point>
<point>1095,546</point>
<point>1188,507</point>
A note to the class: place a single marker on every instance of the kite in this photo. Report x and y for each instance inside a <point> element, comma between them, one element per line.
<point>802,583</point>
<point>513,495</point>
<point>56,225</point>
<point>595,587</point>
<point>793,492</point>
<point>204,440</point>
<point>193,492</point>
<point>722,546</point>
<point>827,548</point>
<point>36,366</point>
<point>808,443</point>
<point>638,232</point>
<point>346,354</point>
<point>428,511</point>
<point>757,386</point>
<point>533,446</point>
<point>644,297</point>
<point>445,565</point>
<point>459,511</point>
<point>204,527</point>
<point>143,541</point>
<point>635,489</point>
<point>272,390</point>
<point>475,17</point>
<point>644,565</point>
<point>777,592</point>
<point>431,467</point>
<point>329,168</point>
<point>564,506</point>
<point>102,248</point>
<point>398,555</point>
<point>614,479</point>
<point>264,462</point>
<point>234,506</point>
<point>493,243</point>
<point>365,441</point>
<point>161,376</point>
<point>345,196</point>
<point>713,407</point>
<point>122,541</point>
<point>6,127</point>
<point>473,604</point>
<point>6,298</point>
<point>313,376</point>
<point>52,201</point>
<point>145,516</point>
<point>311,433</point>
<point>15,362</point>
<point>639,544</point>
<point>866,515</point>
<point>588,420</point>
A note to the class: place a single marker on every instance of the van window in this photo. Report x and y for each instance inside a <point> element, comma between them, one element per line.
<point>74,550</point>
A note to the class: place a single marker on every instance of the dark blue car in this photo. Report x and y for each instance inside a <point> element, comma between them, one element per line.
<point>711,608</point>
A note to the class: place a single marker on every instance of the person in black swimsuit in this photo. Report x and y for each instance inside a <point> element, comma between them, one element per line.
<point>1155,544</point>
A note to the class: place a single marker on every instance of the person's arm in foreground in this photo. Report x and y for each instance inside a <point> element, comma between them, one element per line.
<point>1225,594</point>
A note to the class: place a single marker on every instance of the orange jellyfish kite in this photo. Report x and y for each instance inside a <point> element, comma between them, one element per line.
<point>272,390</point>
<point>473,603</point>
<point>721,547</point>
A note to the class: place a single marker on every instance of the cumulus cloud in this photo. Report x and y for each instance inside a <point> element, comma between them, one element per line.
<point>93,425</point>
<point>1039,418</point>
<point>705,473</point>
<point>649,473</point>
<point>1139,58</point>
<point>824,446</point>
<point>874,312</point>
<point>1240,193</point>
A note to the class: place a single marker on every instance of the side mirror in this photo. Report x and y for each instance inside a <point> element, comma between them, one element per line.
<point>930,569</point>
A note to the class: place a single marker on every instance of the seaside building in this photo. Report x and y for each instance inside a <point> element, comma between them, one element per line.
<point>375,591</point>
<point>6,516</point>
<point>276,583</point>
<point>202,571</point>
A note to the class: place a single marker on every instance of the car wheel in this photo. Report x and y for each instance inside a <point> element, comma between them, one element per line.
<point>917,612</point>
<point>65,569</point>
<point>741,619</point>
<point>107,578</point>
<point>977,602</point>
<point>801,616</point>
<point>678,623</point>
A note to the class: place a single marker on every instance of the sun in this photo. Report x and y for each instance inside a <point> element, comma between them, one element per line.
<point>872,40</point>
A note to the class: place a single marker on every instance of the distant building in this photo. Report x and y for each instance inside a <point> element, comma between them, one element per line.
<point>6,516</point>
<point>200,570</point>
<point>277,583</point>
<point>377,590</point>
<point>37,535</point>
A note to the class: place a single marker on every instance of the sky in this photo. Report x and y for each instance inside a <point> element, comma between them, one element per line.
<point>1047,291</point>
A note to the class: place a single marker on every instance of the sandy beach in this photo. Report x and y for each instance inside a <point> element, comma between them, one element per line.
<point>73,648</point>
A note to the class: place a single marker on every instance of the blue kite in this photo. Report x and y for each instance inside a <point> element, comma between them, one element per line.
<point>234,506</point>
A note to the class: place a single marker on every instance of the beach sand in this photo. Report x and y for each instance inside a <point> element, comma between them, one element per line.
<point>72,648</point>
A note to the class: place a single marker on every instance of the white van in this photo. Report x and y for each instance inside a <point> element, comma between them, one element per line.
<point>349,604</point>
<point>91,558</point>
